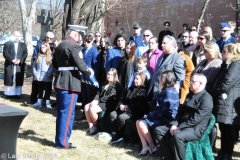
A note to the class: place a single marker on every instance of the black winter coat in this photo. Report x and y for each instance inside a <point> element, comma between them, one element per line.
<point>125,70</point>
<point>9,55</point>
<point>227,94</point>
<point>194,114</point>
<point>136,102</point>
<point>110,96</point>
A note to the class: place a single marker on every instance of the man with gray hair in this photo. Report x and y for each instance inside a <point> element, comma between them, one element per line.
<point>170,60</point>
<point>147,34</point>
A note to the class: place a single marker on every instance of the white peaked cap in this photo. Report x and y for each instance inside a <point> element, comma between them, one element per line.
<point>78,28</point>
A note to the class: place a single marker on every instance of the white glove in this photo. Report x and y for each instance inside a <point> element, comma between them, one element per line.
<point>91,70</point>
<point>224,96</point>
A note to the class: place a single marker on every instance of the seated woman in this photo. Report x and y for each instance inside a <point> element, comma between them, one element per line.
<point>107,101</point>
<point>164,110</point>
<point>133,105</point>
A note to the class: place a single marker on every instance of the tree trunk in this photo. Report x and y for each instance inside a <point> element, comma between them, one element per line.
<point>202,14</point>
<point>27,22</point>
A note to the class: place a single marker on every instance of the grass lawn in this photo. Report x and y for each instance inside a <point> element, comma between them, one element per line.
<point>37,132</point>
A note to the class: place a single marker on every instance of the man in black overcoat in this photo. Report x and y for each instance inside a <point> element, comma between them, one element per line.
<point>15,54</point>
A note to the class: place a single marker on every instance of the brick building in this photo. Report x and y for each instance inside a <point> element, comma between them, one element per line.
<point>151,14</point>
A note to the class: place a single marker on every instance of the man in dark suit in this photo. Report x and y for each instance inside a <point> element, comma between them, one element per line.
<point>15,54</point>
<point>163,33</point>
<point>170,60</point>
<point>193,116</point>
<point>68,62</point>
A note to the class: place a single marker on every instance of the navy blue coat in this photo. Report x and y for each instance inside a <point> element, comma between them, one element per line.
<point>164,108</point>
<point>137,39</point>
<point>92,59</point>
<point>221,42</point>
<point>113,58</point>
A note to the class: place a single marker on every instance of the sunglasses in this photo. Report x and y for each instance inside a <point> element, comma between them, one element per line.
<point>224,51</point>
<point>146,35</point>
<point>135,28</point>
<point>224,31</point>
<point>87,41</point>
<point>200,38</point>
<point>98,36</point>
<point>48,38</point>
<point>193,29</point>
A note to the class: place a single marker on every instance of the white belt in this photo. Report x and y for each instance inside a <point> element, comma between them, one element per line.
<point>67,68</point>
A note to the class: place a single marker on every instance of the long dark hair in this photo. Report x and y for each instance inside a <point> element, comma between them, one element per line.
<point>168,78</point>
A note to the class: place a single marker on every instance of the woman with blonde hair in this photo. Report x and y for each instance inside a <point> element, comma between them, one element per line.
<point>43,73</point>
<point>106,101</point>
<point>226,93</point>
<point>211,65</point>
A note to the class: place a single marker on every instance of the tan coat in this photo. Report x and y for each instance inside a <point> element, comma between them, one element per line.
<point>186,84</point>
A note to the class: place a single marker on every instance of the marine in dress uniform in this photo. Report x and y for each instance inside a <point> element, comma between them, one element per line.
<point>67,85</point>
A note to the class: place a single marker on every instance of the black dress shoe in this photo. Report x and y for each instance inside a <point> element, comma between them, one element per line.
<point>227,157</point>
<point>70,147</point>
<point>220,155</point>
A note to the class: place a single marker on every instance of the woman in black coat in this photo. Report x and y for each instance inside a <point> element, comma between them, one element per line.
<point>127,65</point>
<point>226,94</point>
<point>106,101</point>
<point>102,49</point>
<point>133,105</point>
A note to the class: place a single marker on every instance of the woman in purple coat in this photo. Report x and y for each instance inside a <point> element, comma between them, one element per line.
<point>152,54</point>
<point>164,110</point>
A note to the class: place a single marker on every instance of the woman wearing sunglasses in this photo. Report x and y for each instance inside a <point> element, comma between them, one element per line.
<point>198,56</point>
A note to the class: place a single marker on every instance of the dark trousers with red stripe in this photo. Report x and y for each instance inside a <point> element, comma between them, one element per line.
<point>65,103</point>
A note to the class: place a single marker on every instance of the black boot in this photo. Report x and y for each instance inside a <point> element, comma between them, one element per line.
<point>220,155</point>
<point>227,157</point>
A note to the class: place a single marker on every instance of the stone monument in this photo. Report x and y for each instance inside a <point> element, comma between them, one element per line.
<point>45,20</point>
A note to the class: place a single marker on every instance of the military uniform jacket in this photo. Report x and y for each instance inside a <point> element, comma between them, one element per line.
<point>66,55</point>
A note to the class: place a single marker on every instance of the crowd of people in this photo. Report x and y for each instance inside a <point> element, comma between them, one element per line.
<point>147,88</point>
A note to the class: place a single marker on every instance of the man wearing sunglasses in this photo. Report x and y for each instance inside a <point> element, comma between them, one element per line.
<point>163,33</point>
<point>147,34</point>
<point>185,39</point>
<point>48,38</point>
<point>137,37</point>
<point>226,37</point>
